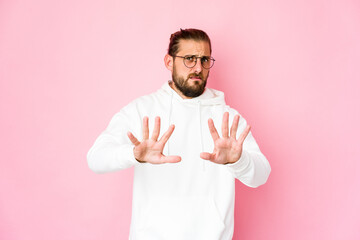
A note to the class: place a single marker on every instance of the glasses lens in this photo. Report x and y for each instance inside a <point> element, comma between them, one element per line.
<point>206,62</point>
<point>190,61</point>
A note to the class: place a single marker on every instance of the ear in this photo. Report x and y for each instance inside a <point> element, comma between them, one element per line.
<point>169,61</point>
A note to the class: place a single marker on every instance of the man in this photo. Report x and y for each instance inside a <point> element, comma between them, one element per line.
<point>183,182</point>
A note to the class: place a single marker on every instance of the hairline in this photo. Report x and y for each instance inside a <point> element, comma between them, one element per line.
<point>195,40</point>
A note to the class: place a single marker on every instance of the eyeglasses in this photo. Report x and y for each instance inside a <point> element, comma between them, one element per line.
<point>190,61</point>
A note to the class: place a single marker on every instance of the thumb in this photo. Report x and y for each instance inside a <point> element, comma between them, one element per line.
<point>207,156</point>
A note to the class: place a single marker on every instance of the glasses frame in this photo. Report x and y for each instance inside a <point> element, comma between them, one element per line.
<point>196,58</point>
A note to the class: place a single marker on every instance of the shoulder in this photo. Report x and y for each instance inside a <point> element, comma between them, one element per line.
<point>227,108</point>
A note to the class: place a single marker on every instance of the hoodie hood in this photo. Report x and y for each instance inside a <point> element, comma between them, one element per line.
<point>208,97</point>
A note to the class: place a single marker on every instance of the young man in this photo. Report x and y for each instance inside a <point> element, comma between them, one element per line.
<point>184,184</point>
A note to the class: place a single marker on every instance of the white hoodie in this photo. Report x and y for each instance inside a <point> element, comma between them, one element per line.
<point>192,199</point>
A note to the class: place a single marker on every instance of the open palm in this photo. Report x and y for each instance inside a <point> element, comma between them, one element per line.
<point>151,149</point>
<point>227,149</point>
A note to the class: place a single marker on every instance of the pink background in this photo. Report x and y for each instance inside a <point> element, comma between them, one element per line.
<point>291,68</point>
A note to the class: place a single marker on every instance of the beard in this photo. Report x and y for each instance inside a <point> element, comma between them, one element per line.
<point>194,90</point>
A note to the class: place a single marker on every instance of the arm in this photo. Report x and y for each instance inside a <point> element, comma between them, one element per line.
<point>252,169</point>
<point>112,150</point>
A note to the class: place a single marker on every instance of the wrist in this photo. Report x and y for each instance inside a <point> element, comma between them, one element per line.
<point>136,158</point>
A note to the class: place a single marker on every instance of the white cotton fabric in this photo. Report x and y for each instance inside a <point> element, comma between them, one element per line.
<point>192,199</point>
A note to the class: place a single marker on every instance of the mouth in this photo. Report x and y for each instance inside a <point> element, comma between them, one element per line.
<point>195,78</point>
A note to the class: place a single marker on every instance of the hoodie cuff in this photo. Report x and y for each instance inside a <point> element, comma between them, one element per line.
<point>241,164</point>
<point>127,152</point>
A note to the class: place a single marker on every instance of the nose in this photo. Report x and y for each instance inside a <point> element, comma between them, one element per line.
<point>198,67</point>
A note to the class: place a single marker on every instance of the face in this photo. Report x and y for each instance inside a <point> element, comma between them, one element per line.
<point>190,82</point>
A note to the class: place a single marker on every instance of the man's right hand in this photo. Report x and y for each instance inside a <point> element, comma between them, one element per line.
<point>150,149</point>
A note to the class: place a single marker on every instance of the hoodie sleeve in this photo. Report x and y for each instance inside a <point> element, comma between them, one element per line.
<point>112,150</point>
<point>252,169</point>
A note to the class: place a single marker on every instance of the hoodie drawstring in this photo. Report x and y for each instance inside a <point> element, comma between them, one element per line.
<point>201,135</point>
<point>170,112</point>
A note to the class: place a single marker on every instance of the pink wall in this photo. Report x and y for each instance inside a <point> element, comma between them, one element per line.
<point>290,67</point>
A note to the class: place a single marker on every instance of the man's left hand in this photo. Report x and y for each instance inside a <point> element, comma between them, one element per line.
<point>227,149</point>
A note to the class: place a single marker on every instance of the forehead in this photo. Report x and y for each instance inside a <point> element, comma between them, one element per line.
<point>192,47</point>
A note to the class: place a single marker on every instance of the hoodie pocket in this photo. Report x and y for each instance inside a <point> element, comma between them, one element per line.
<point>180,218</point>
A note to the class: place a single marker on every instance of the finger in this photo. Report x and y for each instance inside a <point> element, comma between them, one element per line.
<point>133,139</point>
<point>171,159</point>
<point>213,131</point>
<point>234,126</point>
<point>156,130</point>
<point>167,134</point>
<point>145,128</point>
<point>225,125</point>
<point>244,134</point>
<point>207,156</point>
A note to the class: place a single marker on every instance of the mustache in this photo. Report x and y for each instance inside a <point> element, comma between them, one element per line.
<point>196,75</point>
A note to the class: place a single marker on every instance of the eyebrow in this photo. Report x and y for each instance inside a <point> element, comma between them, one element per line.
<point>196,55</point>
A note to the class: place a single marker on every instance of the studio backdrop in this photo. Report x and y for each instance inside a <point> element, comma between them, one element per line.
<point>291,68</point>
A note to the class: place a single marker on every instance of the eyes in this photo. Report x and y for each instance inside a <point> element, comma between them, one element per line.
<point>192,58</point>
<point>190,61</point>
